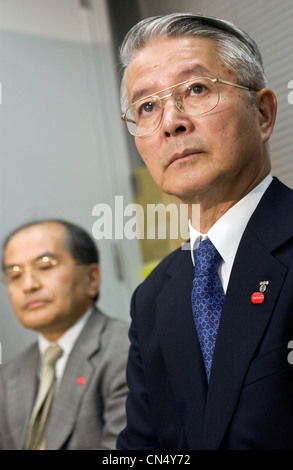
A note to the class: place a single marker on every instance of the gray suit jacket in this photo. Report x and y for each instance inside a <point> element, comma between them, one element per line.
<point>85,415</point>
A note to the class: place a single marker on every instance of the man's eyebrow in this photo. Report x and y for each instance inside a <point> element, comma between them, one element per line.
<point>140,94</point>
<point>49,254</point>
<point>196,71</point>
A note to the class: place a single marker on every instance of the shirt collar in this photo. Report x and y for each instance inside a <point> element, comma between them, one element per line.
<point>226,233</point>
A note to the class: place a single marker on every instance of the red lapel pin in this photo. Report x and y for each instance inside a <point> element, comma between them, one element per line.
<point>81,380</point>
<point>257,298</point>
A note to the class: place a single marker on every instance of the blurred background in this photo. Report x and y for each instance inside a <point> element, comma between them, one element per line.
<point>63,146</point>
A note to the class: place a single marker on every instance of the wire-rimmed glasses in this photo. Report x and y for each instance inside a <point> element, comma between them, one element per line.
<point>40,267</point>
<point>192,97</point>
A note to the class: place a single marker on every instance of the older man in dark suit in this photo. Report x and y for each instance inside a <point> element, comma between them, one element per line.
<point>208,365</point>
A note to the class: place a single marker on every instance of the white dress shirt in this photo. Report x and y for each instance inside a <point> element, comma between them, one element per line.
<point>66,342</point>
<point>226,233</point>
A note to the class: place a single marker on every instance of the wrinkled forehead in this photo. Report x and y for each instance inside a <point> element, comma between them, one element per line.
<point>162,62</point>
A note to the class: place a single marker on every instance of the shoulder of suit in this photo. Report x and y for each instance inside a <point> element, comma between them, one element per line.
<point>17,362</point>
<point>112,323</point>
<point>164,269</point>
<point>113,336</point>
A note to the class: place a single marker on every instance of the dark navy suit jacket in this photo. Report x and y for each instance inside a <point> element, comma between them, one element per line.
<point>248,403</point>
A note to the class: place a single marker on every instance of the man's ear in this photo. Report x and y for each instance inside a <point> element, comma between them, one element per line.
<point>266,103</point>
<point>94,279</point>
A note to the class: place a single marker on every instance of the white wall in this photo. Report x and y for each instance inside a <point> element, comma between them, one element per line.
<point>62,147</point>
<point>270,24</point>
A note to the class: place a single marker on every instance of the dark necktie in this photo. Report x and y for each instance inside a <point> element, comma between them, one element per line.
<point>35,438</point>
<point>207,298</point>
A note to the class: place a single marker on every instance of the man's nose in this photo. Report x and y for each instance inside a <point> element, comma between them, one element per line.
<point>173,120</point>
<point>30,280</point>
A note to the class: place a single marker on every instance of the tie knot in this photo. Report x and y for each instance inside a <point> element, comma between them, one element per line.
<point>206,258</point>
<point>51,355</point>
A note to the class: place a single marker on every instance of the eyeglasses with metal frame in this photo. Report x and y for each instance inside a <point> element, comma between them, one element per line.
<point>40,267</point>
<point>193,97</point>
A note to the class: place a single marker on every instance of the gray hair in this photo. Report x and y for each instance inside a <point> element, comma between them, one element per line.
<point>236,48</point>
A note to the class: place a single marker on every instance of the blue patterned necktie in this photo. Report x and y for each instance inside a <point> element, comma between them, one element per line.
<point>207,298</point>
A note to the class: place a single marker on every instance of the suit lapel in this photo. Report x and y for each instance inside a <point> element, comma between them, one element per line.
<point>241,329</point>
<point>22,390</point>
<point>243,323</point>
<point>180,347</point>
<point>72,389</point>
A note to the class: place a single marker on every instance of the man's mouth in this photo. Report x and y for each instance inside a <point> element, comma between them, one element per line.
<point>185,155</point>
<point>35,303</point>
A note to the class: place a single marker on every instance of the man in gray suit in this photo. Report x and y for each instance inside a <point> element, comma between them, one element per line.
<point>52,272</point>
